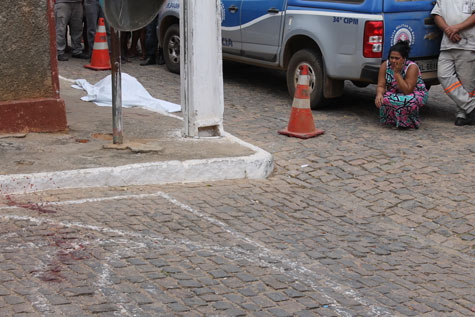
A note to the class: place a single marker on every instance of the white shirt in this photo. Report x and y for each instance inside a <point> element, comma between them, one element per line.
<point>455,12</point>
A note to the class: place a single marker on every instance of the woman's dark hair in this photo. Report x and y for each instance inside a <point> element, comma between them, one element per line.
<point>402,47</point>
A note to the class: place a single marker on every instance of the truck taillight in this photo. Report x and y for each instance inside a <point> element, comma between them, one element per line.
<point>373,39</point>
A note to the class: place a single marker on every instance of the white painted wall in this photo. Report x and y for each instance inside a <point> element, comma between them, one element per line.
<point>201,70</point>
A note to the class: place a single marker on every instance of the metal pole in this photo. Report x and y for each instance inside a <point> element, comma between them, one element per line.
<point>116,87</point>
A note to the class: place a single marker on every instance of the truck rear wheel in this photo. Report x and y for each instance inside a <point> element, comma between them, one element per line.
<point>171,48</point>
<point>315,68</point>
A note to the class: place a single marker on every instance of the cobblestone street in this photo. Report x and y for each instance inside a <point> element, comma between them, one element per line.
<point>361,221</point>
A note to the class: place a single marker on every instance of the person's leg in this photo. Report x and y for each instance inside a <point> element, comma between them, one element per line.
<point>151,43</point>
<point>75,23</point>
<point>91,8</point>
<point>124,40</point>
<point>84,33</point>
<point>61,13</point>
<point>142,42</point>
<point>465,69</point>
<point>133,45</point>
<point>450,71</point>
<point>386,111</point>
<point>407,112</point>
<point>160,58</point>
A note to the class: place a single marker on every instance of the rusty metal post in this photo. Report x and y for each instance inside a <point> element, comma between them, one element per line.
<point>116,87</point>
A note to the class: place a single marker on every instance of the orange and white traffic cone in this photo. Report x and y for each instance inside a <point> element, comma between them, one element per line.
<point>100,52</point>
<point>301,124</point>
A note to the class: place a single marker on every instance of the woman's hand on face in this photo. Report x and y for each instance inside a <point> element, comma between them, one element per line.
<point>397,66</point>
<point>379,100</point>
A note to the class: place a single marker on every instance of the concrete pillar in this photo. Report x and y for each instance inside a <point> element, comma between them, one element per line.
<point>201,67</point>
<point>29,86</point>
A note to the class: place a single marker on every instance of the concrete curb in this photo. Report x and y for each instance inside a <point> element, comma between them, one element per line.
<point>256,166</point>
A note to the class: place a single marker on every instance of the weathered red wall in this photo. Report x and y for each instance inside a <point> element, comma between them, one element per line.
<point>29,87</point>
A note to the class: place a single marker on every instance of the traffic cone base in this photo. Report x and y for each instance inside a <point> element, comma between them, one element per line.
<point>301,124</point>
<point>100,53</point>
<point>301,135</point>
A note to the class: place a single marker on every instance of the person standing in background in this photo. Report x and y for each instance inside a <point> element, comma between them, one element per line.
<point>456,66</point>
<point>93,11</point>
<point>153,54</point>
<point>69,12</point>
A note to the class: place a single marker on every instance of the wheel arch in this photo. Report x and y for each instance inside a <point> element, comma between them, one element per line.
<point>165,23</point>
<point>297,43</point>
<point>332,88</point>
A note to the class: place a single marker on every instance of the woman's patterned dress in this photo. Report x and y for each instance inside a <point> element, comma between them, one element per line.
<point>398,109</point>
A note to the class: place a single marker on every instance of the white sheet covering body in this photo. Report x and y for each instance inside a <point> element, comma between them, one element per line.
<point>133,94</point>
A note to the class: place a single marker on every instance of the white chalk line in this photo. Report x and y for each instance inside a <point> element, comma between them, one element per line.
<point>272,255</point>
<point>235,253</point>
<point>297,267</point>
<point>67,79</point>
<point>83,201</point>
<point>105,282</point>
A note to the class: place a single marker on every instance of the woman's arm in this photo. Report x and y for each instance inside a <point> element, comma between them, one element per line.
<point>406,85</point>
<point>381,84</point>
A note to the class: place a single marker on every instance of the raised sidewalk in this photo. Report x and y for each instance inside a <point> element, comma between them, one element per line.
<point>155,152</point>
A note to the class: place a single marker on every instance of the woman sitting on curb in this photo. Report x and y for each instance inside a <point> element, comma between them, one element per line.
<point>401,90</point>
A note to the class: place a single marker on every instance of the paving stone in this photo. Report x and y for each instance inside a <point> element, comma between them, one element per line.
<point>279,312</point>
<point>277,297</point>
<point>235,312</point>
<point>189,283</point>
<point>4,291</point>
<point>194,301</point>
<point>219,274</point>
<point>57,299</point>
<point>293,293</point>
<point>140,299</point>
<point>178,308</point>
<point>250,307</point>
<point>102,308</point>
<point>246,277</point>
<point>234,298</point>
<point>221,305</point>
<point>13,300</point>
<point>262,301</point>
<point>309,303</point>
<point>80,291</point>
<point>306,313</point>
<point>248,292</point>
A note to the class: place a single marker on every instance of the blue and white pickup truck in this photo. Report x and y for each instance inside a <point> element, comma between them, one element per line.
<point>338,39</point>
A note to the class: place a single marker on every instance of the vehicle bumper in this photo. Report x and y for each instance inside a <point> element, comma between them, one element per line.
<point>370,73</point>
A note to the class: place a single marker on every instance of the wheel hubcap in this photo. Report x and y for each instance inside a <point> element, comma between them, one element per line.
<point>311,76</point>
<point>174,49</point>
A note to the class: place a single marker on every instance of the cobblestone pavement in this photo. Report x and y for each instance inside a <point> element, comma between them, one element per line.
<point>362,221</point>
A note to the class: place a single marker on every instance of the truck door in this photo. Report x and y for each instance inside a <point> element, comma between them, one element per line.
<point>261,28</point>
<point>231,26</point>
<point>411,20</point>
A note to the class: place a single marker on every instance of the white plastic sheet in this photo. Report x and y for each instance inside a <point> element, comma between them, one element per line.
<point>133,94</point>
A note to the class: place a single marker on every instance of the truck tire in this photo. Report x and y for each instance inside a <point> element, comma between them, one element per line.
<point>171,48</point>
<point>315,68</point>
